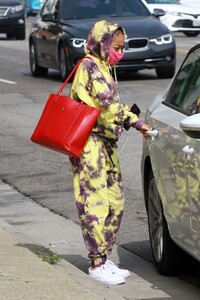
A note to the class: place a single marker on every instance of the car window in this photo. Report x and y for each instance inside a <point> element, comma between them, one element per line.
<point>55,8</point>
<point>185,90</point>
<point>82,9</point>
<point>48,6</point>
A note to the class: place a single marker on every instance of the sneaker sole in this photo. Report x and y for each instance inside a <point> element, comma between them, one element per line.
<point>117,282</point>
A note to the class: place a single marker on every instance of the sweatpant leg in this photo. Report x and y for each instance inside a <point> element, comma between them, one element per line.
<point>99,198</point>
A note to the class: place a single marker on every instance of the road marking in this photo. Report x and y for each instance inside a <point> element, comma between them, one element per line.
<point>7,81</point>
<point>182,50</point>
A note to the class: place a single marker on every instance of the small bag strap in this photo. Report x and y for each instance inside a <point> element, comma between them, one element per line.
<point>70,75</point>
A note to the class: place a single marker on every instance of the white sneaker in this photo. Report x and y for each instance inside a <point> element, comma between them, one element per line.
<point>115,270</point>
<point>105,275</point>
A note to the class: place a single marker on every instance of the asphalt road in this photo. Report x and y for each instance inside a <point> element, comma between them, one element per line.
<point>45,176</point>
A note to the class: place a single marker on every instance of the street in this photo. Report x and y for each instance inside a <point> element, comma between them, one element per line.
<point>45,176</point>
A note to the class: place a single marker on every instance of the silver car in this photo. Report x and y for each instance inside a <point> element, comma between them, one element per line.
<point>171,169</point>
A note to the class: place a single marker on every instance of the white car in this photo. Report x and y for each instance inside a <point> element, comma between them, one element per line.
<point>178,17</point>
<point>171,170</point>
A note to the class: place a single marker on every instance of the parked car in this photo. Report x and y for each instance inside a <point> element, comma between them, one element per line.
<point>178,17</point>
<point>12,19</point>
<point>58,36</point>
<point>33,7</point>
<point>171,169</point>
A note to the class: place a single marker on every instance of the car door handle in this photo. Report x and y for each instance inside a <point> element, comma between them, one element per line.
<point>153,133</point>
<point>189,151</point>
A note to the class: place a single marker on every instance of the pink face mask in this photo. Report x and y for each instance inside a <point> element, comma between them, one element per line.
<point>115,56</point>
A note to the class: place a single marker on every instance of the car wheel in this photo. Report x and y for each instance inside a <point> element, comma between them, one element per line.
<point>36,70</point>
<point>64,72</point>
<point>165,251</point>
<point>166,72</point>
<point>191,33</point>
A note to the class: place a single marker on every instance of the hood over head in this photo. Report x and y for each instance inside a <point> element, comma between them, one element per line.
<point>100,38</point>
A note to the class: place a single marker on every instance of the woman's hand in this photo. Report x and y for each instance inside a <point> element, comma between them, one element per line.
<point>144,129</point>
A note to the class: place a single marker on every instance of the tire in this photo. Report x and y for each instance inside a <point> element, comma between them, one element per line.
<point>166,72</point>
<point>166,254</point>
<point>36,70</point>
<point>191,33</point>
<point>64,72</point>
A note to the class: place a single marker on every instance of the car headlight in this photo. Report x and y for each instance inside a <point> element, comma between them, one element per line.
<point>163,39</point>
<point>174,13</point>
<point>77,43</point>
<point>16,8</point>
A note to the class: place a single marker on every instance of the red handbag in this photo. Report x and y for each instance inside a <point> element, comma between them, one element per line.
<point>65,124</point>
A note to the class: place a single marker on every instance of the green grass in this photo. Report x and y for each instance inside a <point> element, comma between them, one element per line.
<point>48,256</point>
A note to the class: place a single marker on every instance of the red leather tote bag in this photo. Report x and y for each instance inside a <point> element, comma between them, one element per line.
<point>65,124</point>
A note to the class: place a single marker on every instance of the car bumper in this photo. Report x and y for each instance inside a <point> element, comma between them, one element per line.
<point>150,58</point>
<point>9,24</point>
<point>181,24</point>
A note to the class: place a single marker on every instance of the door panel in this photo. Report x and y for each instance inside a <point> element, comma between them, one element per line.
<point>47,35</point>
<point>169,166</point>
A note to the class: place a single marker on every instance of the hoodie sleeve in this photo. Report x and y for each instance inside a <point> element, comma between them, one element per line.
<point>97,88</point>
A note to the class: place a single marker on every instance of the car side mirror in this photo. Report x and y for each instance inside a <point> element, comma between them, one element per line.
<point>48,17</point>
<point>157,12</point>
<point>191,126</point>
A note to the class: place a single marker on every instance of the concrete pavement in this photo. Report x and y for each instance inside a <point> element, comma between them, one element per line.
<point>25,226</point>
<point>24,276</point>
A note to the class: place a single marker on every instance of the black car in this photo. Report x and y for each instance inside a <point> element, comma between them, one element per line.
<point>58,36</point>
<point>12,19</point>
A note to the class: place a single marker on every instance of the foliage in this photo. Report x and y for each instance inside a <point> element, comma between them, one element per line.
<point>47,256</point>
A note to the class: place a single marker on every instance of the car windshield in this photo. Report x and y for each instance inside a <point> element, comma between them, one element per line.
<point>162,1</point>
<point>83,9</point>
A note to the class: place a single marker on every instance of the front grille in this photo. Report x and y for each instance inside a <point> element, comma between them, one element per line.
<point>184,24</point>
<point>137,43</point>
<point>3,11</point>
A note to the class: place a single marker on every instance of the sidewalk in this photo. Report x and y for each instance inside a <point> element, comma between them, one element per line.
<point>25,276</point>
<point>25,225</point>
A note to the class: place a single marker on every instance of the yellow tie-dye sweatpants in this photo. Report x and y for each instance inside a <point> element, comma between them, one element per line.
<point>99,197</point>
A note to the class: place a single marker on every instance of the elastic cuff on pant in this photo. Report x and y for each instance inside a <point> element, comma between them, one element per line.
<point>98,261</point>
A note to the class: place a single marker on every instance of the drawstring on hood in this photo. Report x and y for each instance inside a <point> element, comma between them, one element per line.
<point>115,73</point>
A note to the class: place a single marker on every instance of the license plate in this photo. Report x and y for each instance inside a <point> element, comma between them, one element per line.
<point>196,23</point>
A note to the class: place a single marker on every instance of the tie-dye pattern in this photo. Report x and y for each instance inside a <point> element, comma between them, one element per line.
<point>99,197</point>
<point>97,177</point>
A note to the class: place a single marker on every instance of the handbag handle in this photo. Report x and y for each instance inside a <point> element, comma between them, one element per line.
<point>70,75</point>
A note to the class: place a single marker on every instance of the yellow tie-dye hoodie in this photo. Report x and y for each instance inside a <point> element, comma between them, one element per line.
<point>94,84</point>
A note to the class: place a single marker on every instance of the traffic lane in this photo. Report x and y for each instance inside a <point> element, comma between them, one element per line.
<point>21,58</point>
<point>40,88</point>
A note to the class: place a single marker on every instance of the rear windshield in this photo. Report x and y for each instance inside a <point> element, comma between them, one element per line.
<point>83,9</point>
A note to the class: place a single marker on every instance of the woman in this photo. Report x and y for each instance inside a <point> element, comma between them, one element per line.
<point>97,178</point>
